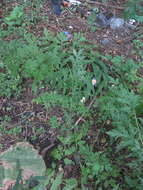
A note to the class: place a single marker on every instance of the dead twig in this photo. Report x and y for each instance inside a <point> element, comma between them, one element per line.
<point>105,5</point>
<point>81,117</point>
<point>46,149</point>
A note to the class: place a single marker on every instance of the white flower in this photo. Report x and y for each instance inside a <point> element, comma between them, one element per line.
<point>94,81</point>
<point>60,169</point>
<point>82,100</point>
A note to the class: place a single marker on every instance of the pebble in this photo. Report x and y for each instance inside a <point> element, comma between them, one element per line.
<point>70,27</point>
<point>105,41</point>
<point>102,20</point>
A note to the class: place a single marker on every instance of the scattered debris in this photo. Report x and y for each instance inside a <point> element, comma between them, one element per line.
<point>107,19</point>
<point>81,11</point>
<point>68,35</point>
<point>132,21</point>
<point>105,41</point>
<point>74,2</point>
<point>96,3</point>
<point>101,20</point>
<point>104,19</point>
<point>116,23</point>
<point>131,24</point>
<point>70,27</point>
<point>56,5</point>
<point>66,4</point>
<point>95,9</point>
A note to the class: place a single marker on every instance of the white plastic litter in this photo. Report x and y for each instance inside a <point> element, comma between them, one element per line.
<point>116,23</point>
<point>131,24</point>
<point>74,2</point>
<point>132,21</point>
<point>70,27</point>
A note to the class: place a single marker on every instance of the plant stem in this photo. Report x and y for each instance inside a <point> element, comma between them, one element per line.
<point>140,137</point>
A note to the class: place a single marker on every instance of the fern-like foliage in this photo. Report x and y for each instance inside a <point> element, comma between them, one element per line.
<point>134,9</point>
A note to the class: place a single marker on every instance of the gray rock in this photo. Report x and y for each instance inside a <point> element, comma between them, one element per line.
<point>105,41</point>
<point>102,20</point>
<point>130,26</point>
<point>116,23</point>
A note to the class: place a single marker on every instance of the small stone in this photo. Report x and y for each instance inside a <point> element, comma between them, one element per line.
<point>108,122</point>
<point>107,32</point>
<point>103,140</point>
<point>70,27</point>
<point>102,20</point>
<point>105,41</point>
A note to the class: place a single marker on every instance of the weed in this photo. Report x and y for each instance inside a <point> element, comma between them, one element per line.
<point>134,10</point>
<point>16,17</point>
<point>68,69</point>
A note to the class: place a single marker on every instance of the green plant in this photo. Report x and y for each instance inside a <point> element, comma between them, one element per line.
<point>125,70</point>
<point>92,18</point>
<point>97,166</point>
<point>63,70</point>
<point>9,85</point>
<point>138,45</point>
<point>14,130</point>
<point>15,17</point>
<point>134,10</point>
<point>120,106</point>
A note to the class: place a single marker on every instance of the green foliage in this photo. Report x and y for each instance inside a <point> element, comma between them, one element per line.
<point>9,83</point>
<point>134,10</point>
<point>92,18</point>
<point>120,106</point>
<point>119,100</point>
<point>15,130</point>
<point>125,70</point>
<point>65,69</point>
<point>64,72</point>
<point>57,182</point>
<point>15,17</point>
<point>97,166</point>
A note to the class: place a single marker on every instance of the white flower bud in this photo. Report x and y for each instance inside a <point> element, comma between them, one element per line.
<point>82,100</point>
<point>94,81</point>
